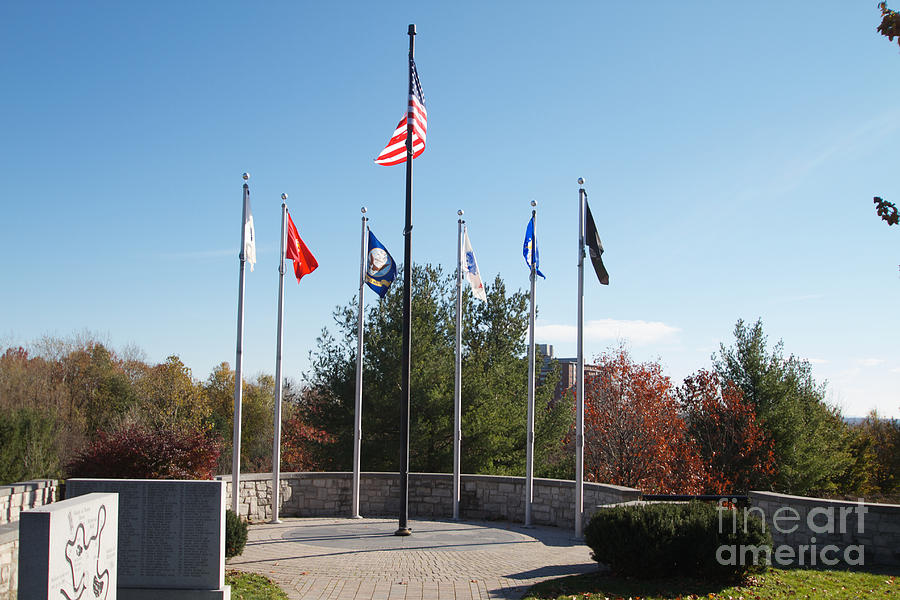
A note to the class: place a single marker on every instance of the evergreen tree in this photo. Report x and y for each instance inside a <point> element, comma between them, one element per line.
<point>494,381</point>
<point>810,438</point>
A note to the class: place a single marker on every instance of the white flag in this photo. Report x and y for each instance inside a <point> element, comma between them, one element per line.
<point>249,233</point>
<point>471,266</point>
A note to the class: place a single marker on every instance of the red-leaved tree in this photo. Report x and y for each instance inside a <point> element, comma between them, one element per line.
<point>299,442</point>
<point>634,435</point>
<point>736,452</point>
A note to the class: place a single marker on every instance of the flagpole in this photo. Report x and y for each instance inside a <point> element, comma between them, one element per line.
<point>457,382</point>
<point>276,442</point>
<point>357,411</point>
<point>579,376</point>
<point>403,527</point>
<point>529,452</point>
<point>238,365</point>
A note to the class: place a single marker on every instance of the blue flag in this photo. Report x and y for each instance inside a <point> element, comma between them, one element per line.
<point>530,248</point>
<point>380,267</point>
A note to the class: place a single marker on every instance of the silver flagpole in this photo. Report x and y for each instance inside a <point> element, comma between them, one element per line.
<point>238,364</point>
<point>276,442</point>
<point>357,411</point>
<point>579,375</point>
<point>529,452</point>
<point>457,382</point>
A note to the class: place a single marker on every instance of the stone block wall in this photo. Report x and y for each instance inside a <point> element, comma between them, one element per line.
<point>849,530</point>
<point>482,497</point>
<point>14,499</point>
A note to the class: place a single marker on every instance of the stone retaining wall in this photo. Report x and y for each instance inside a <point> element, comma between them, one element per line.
<point>15,498</point>
<point>482,497</point>
<point>831,529</point>
<point>9,560</point>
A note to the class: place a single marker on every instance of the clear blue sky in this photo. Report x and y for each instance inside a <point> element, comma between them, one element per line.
<point>731,152</point>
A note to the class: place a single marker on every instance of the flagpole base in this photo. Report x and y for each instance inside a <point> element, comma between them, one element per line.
<point>403,531</point>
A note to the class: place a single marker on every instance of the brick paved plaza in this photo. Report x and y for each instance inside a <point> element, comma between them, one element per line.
<point>349,559</point>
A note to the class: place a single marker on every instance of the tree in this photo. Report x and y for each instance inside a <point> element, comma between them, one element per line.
<point>56,400</point>
<point>35,427</point>
<point>257,408</point>
<point>170,396</point>
<point>28,445</point>
<point>493,392</point>
<point>810,439</point>
<point>889,28</point>
<point>98,386</point>
<point>887,211</point>
<point>297,442</point>
<point>734,447</point>
<point>883,436</point>
<point>858,479</point>
<point>634,435</point>
<point>890,23</point>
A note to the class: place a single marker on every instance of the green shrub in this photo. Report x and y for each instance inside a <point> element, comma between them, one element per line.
<point>660,540</point>
<point>235,534</point>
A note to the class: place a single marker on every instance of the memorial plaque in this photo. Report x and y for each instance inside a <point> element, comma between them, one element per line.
<point>171,532</point>
<point>67,549</point>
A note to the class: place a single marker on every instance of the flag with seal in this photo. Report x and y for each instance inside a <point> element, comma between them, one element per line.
<point>381,270</point>
<point>530,249</point>
<point>471,266</point>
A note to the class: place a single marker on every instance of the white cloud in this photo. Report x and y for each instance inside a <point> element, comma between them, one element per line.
<point>783,176</point>
<point>858,389</point>
<point>199,254</point>
<point>635,332</point>
<point>843,144</point>
<point>817,361</point>
<point>800,298</point>
<point>869,362</point>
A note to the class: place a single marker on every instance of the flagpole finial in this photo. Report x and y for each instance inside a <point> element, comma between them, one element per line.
<point>284,196</point>
<point>533,203</point>
<point>245,176</point>
<point>581,181</point>
<point>363,210</point>
<point>460,212</point>
<point>412,29</point>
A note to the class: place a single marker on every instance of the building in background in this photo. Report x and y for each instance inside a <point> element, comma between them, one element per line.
<point>567,368</point>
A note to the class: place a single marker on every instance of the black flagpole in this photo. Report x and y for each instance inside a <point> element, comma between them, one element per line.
<point>403,528</point>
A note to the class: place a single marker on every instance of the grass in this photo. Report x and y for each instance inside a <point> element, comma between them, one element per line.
<point>250,586</point>
<point>774,584</point>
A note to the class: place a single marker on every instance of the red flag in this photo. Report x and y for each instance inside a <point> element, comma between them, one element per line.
<point>304,262</point>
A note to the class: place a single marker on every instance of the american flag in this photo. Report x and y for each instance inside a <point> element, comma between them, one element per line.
<point>395,151</point>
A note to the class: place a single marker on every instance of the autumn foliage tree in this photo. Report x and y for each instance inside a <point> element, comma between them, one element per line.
<point>298,440</point>
<point>890,22</point>
<point>736,452</point>
<point>634,435</point>
<point>883,437</point>
<point>143,452</point>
